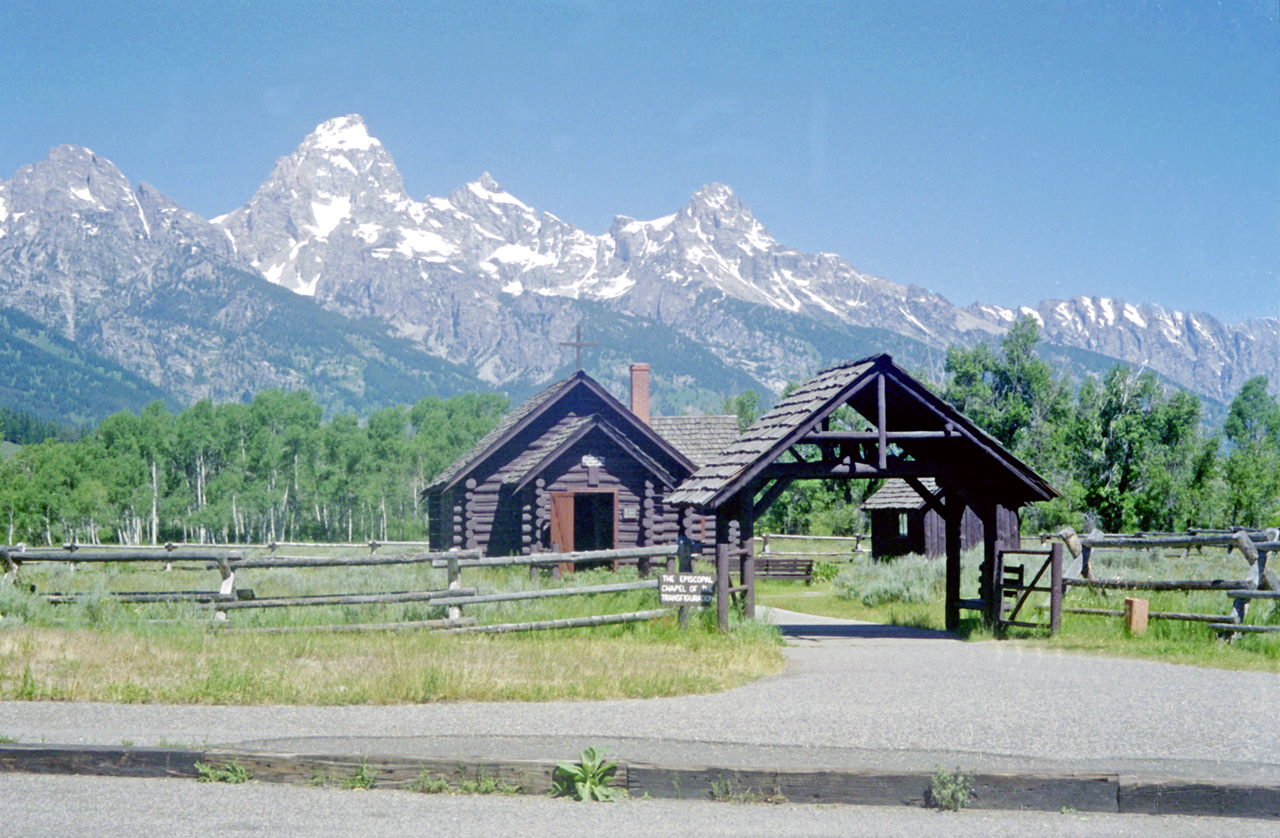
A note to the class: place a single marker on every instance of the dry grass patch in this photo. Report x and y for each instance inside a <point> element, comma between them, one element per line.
<point>193,667</point>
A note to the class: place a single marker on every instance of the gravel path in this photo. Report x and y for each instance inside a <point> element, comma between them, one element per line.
<point>853,695</point>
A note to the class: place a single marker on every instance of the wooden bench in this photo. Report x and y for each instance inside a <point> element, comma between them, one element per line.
<point>768,567</point>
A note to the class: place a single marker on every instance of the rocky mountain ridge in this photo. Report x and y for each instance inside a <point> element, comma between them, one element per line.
<point>477,288</point>
<point>157,291</point>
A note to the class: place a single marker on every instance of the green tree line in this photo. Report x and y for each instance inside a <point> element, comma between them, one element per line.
<point>268,470</point>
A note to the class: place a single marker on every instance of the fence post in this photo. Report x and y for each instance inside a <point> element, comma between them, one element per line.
<point>682,562</point>
<point>722,586</point>
<point>1055,589</point>
<point>10,569</point>
<point>228,586</point>
<point>455,582</point>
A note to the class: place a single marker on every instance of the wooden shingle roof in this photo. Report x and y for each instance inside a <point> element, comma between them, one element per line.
<point>945,441</point>
<point>897,494</point>
<point>768,438</point>
<point>700,438</point>
<point>567,433</point>
<point>492,452</point>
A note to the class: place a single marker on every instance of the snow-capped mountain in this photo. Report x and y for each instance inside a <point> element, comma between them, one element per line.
<point>1193,349</point>
<point>478,287</point>
<point>463,273</point>
<point>136,279</point>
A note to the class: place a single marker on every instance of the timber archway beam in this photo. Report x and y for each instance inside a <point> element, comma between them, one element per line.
<point>912,434</point>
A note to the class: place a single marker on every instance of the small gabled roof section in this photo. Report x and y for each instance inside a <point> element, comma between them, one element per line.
<point>929,437</point>
<point>564,436</point>
<point>897,494</point>
<point>700,438</point>
<point>538,405</point>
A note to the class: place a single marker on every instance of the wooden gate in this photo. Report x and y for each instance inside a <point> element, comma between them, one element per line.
<point>1014,589</point>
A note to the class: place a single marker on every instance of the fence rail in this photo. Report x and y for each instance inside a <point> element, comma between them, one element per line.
<point>1254,546</point>
<point>230,599</point>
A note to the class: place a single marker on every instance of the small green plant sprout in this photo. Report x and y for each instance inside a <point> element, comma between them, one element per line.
<point>950,791</point>
<point>362,778</point>
<point>587,779</point>
<point>233,772</point>
<point>726,790</point>
<point>431,783</point>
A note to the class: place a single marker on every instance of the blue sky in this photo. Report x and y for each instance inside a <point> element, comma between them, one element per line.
<point>996,151</point>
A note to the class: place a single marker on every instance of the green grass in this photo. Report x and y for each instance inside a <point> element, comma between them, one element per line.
<point>890,592</point>
<point>103,650</point>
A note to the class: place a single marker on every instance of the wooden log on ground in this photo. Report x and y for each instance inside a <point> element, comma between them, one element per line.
<point>411,625</point>
<point>573,622</point>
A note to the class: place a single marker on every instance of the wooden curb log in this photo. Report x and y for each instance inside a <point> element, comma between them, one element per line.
<point>1044,792</point>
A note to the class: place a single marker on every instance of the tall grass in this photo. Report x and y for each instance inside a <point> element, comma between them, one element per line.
<point>103,650</point>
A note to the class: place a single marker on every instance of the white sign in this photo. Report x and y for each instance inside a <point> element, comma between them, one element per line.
<point>686,588</point>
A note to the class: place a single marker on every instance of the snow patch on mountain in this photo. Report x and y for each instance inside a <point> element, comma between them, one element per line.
<point>329,216</point>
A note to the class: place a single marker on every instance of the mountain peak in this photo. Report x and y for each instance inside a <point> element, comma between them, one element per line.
<point>717,201</point>
<point>713,193</point>
<point>74,179</point>
<point>487,189</point>
<point>344,133</point>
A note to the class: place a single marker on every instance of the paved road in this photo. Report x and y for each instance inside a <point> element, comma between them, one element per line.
<point>853,696</point>
<point>36,806</point>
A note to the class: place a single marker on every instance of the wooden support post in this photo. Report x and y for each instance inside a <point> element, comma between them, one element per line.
<point>882,418</point>
<point>1055,589</point>
<point>722,586</point>
<point>455,582</point>
<point>748,546</point>
<point>988,573</point>
<point>682,562</point>
<point>228,586</point>
<point>955,514</point>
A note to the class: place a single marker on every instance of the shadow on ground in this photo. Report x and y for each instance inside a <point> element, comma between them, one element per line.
<point>862,631</point>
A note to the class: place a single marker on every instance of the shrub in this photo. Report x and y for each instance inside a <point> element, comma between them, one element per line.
<point>909,579</point>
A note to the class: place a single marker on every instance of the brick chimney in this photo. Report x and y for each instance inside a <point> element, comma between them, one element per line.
<point>640,391</point>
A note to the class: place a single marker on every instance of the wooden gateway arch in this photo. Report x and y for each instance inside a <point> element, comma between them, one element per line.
<point>913,434</point>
